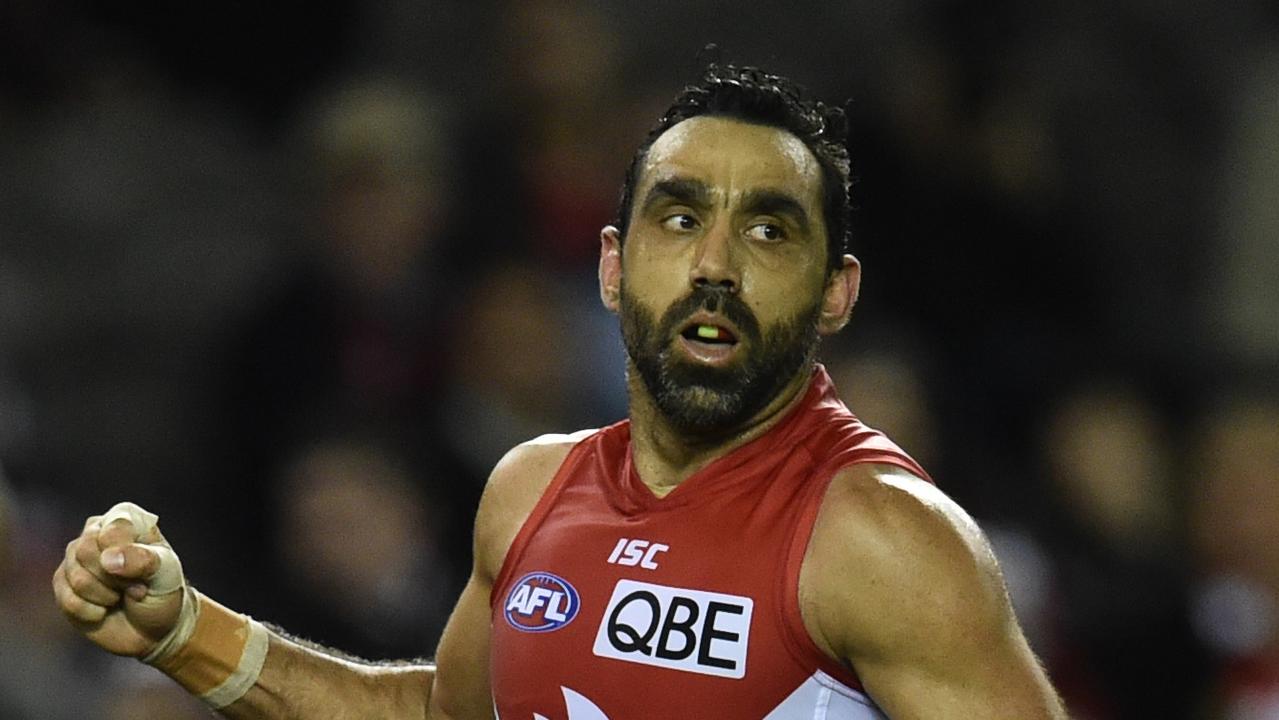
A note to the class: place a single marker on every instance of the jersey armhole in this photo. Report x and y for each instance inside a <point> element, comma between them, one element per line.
<point>537,516</point>
<point>799,642</point>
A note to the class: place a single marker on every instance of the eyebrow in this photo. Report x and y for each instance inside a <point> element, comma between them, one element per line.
<point>760,201</point>
<point>685,190</point>
<point>769,201</point>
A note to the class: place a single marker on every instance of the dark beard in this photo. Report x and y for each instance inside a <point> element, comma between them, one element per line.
<point>707,401</point>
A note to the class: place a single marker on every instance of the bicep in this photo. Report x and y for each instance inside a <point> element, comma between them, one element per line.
<point>917,605</point>
<point>461,686</point>
<point>975,668</point>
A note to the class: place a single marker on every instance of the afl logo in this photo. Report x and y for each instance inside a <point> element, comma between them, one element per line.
<point>541,602</point>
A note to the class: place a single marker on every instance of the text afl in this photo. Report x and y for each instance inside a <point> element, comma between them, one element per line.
<point>541,602</point>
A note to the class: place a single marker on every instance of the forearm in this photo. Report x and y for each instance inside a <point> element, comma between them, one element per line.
<point>298,681</point>
<point>247,670</point>
<point>121,584</point>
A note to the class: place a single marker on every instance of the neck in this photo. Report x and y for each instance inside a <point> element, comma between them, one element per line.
<point>666,456</point>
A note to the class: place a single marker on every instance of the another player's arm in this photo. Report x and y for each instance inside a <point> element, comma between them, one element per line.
<point>901,584</point>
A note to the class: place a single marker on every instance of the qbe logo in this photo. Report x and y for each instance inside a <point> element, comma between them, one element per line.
<point>541,602</point>
<point>689,630</point>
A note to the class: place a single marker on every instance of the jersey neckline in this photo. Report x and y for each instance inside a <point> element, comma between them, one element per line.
<point>636,496</point>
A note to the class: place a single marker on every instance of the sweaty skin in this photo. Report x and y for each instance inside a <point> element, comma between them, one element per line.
<point>954,652</point>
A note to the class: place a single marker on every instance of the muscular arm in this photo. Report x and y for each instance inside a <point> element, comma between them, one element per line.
<point>302,681</point>
<point>299,680</point>
<point>900,584</point>
<point>126,609</point>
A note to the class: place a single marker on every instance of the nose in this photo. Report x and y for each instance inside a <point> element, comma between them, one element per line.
<point>714,263</point>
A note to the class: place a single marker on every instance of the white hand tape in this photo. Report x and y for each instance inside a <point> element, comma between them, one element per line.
<point>168,575</point>
<point>181,632</point>
<point>143,522</point>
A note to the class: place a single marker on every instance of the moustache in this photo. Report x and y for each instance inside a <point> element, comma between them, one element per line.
<point>714,299</point>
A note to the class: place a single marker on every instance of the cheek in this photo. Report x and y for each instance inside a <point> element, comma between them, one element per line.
<point>654,279</point>
<point>782,291</point>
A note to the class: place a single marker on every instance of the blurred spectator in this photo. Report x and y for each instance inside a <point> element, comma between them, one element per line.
<point>1241,297</point>
<point>550,149</point>
<point>1234,516</point>
<point>350,335</point>
<point>354,322</point>
<point>134,214</point>
<point>360,558</point>
<point>521,373</point>
<point>1108,454</point>
<point>888,390</point>
<point>1119,642</point>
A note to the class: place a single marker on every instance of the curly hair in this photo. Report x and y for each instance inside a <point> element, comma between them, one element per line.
<point>754,96</point>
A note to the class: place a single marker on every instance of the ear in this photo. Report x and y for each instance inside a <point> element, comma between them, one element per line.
<point>611,267</point>
<point>840,296</point>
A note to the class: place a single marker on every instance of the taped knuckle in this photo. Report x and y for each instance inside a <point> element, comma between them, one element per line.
<point>151,537</point>
<point>155,537</point>
<point>139,522</point>
<point>117,532</point>
<point>164,571</point>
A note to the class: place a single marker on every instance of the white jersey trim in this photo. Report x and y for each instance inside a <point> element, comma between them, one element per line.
<point>822,697</point>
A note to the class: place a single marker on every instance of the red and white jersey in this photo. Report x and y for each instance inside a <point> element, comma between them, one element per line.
<point>614,604</point>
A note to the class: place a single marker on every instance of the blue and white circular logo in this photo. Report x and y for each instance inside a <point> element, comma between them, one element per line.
<point>541,602</point>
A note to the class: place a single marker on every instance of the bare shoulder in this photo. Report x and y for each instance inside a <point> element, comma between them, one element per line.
<point>900,584</point>
<point>514,487</point>
<point>892,557</point>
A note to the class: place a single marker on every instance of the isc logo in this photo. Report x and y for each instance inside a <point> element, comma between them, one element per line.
<point>689,630</point>
<point>636,552</point>
<point>541,602</point>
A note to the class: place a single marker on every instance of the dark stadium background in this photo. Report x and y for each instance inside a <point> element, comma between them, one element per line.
<point>294,275</point>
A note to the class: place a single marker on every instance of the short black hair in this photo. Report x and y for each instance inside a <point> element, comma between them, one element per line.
<point>754,96</point>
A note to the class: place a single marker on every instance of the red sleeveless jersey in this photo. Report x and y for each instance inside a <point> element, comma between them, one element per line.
<point>614,604</point>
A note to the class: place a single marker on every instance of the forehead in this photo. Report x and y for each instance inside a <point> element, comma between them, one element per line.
<point>733,156</point>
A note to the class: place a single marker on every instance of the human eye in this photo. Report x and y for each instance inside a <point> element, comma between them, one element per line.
<point>765,232</point>
<point>679,222</point>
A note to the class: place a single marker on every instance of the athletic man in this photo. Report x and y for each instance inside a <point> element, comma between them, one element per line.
<point>742,547</point>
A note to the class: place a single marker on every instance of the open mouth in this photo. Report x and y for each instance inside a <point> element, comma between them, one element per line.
<point>707,342</point>
<point>709,334</point>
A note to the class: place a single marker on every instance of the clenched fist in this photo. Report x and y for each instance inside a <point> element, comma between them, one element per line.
<point>120,582</point>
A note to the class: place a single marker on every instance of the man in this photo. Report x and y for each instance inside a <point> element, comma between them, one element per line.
<point>741,548</point>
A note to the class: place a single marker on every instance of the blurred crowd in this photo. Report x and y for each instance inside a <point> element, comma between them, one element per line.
<point>295,276</point>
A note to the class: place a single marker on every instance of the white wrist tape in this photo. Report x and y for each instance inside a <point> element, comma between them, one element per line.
<point>246,672</point>
<point>222,655</point>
